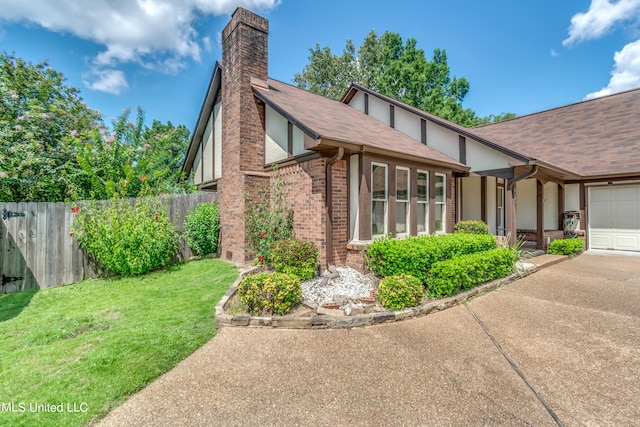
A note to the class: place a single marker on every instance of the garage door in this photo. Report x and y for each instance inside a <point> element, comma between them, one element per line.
<point>614,217</point>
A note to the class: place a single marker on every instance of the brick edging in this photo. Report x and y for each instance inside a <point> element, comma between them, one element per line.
<point>348,322</point>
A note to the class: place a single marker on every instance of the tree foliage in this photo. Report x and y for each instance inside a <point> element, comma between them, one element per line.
<point>41,118</point>
<point>396,69</point>
<point>54,148</point>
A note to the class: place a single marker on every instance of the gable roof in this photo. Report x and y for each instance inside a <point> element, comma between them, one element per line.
<point>333,123</point>
<point>594,138</point>
<point>466,132</point>
<point>203,117</point>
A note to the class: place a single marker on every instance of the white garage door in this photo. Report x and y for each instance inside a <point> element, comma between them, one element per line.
<point>614,217</point>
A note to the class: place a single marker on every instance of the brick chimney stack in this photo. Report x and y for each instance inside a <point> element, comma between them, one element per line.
<point>244,55</point>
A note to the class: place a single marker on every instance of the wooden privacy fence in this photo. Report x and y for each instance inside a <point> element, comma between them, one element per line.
<point>37,250</point>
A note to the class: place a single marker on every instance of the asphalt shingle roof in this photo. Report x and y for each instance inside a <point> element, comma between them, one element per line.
<point>334,120</point>
<point>597,137</point>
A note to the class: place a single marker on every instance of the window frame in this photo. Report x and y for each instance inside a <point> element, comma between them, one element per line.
<point>406,202</point>
<point>441,204</point>
<point>385,200</point>
<point>424,202</point>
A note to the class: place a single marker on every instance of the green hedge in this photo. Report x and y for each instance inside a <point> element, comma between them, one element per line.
<point>415,256</point>
<point>566,246</point>
<point>471,227</point>
<point>294,256</point>
<point>455,275</point>
<point>400,292</point>
<point>202,227</point>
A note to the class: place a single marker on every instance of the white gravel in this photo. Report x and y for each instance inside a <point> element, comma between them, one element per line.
<point>351,284</point>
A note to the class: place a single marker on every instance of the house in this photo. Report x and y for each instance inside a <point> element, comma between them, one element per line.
<point>369,165</point>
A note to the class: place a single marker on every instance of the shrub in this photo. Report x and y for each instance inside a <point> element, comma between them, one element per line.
<point>269,218</point>
<point>414,256</point>
<point>127,240</point>
<point>400,292</point>
<point>202,227</point>
<point>566,246</point>
<point>455,275</point>
<point>471,227</point>
<point>269,293</point>
<point>295,257</point>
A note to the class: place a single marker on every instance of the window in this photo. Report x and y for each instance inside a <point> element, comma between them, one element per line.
<point>378,199</point>
<point>440,202</point>
<point>402,200</point>
<point>423,202</point>
<point>500,211</point>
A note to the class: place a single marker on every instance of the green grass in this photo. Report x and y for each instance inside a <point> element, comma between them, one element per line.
<point>97,342</point>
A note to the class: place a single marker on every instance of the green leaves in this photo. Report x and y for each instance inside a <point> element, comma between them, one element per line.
<point>396,69</point>
<point>415,255</point>
<point>294,256</point>
<point>400,292</point>
<point>202,227</point>
<point>54,148</point>
<point>127,239</point>
<point>270,293</point>
<point>566,246</point>
<point>458,274</point>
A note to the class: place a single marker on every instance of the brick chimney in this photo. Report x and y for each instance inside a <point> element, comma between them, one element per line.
<point>244,55</point>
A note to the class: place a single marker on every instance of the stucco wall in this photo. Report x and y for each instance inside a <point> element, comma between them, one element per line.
<point>526,204</point>
<point>357,101</point>
<point>379,110</point>
<point>480,157</point>
<point>572,197</point>
<point>443,140</point>
<point>471,203</point>
<point>408,123</point>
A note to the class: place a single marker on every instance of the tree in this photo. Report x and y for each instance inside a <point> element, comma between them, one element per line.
<point>38,111</point>
<point>394,68</point>
<point>131,160</point>
<point>54,148</point>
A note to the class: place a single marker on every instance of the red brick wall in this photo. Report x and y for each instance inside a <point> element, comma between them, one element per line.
<point>340,212</point>
<point>306,191</point>
<point>244,55</point>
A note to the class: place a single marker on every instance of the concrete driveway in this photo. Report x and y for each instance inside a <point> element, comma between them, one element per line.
<point>559,347</point>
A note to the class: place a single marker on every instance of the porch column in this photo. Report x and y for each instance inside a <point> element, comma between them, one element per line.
<point>539,215</point>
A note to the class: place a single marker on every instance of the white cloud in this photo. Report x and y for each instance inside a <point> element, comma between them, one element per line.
<point>110,81</point>
<point>601,17</point>
<point>554,53</point>
<point>626,71</point>
<point>157,34</point>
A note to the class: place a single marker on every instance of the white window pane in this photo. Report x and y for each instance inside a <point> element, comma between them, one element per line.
<point>378,182</point>
<point>378,211</point>
<point>402,184</point>
<point>440,188</point>
<point>440,217</point>
<point>422,217</point>
<point>423,187</point>
<point>401,217</point>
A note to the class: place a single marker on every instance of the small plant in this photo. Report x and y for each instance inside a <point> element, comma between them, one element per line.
<point>270,293</point>
<point>471,227</point>
<point>400,292</point>
<point>269,218</point>
<point>566,246</point>
<point>127,240</point>
<point>296,257</point>
<point>202,227</point>
<point>455,275</point>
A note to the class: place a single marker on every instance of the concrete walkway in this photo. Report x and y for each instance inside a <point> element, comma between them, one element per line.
<point>559,347</point>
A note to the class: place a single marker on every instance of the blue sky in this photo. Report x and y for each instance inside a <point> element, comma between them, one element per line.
<point>520,57</point>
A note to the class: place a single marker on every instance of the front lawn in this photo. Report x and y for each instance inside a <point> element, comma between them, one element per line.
<point>85,348</point>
